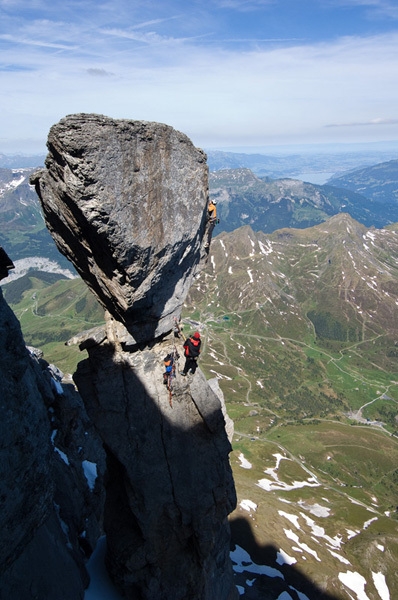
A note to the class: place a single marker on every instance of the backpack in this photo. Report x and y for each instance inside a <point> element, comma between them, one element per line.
<point>192,348</point>
<point>168,363</point>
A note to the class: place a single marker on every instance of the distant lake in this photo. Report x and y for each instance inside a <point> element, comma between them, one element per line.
<point>318,178</point>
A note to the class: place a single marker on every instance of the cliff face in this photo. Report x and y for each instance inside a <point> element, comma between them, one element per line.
<point>50,517</point>
<point>126,202</point>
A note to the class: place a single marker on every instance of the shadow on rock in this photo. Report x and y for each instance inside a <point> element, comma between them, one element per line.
<point>169,488</point>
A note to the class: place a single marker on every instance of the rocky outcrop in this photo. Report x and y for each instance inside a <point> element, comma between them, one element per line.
<point>169,484</point>
<point>126,201</point>
<point>50,513</point>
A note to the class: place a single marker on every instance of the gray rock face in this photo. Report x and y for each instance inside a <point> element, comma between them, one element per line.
<point>25,481</point>
<point>50,518</point>
<point>126,202</point>
<point>169,485</point>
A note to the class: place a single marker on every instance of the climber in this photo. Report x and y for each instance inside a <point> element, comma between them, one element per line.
<point>212,220</point>
<point>192,351</point>
<point>168,362</point>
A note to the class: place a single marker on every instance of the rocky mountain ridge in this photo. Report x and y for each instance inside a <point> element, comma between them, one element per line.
<point>338,267</point>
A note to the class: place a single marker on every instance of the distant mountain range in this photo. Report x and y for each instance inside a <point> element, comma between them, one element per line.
<point>294,165</point>
<point>369,195</point>
<point>269,204</point>
<point>23,233</point>
<point>378,182</point>
<point>20,161</point>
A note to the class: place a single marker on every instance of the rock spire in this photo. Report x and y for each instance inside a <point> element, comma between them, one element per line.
<point>126,202</point>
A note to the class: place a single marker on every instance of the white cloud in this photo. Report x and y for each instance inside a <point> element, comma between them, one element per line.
<point>166,69</point>
<point>376,8</point>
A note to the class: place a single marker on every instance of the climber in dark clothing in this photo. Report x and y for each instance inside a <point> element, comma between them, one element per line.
<point>191,351</point>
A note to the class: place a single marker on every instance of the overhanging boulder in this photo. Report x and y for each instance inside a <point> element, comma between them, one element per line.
<point>125,202</point>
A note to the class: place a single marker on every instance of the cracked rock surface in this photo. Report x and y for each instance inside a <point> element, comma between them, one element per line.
<point>125,202</point>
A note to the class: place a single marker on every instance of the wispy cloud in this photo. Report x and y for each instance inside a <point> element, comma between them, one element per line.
<point>149,37</point>
<point>99,73</point>
<point>245,5</point>
<point>217,79</point>
<point>35,42</point>
<point>377,121</point>
<point>153,22</point>
<point>375,8</point>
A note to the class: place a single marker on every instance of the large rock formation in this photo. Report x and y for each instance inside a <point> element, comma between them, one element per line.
<point>50,515</point>
<point>126,202</point>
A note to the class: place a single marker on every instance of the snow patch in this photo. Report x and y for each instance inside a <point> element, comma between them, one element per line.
<point>282,558</point>
<point>101,586</point>
<point>367,523</point>
<point>295,538</point>
<point>315,509</point>
<point>90,473</point>
<point>381,586</point>
<point>244,563</point>
<point>62,455</point>
<point>244,463</point>
<point>248,505</point>
<point>292,518</point>
<point>37,263</point>
<point>269,486</point>
<point>355,582</point>
<point>265,250</point>
<point>339,557</point>
<point>223,246</point>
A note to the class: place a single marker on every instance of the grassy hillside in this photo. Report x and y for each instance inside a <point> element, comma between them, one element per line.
<point>51,310</point>
<point>300,328</point>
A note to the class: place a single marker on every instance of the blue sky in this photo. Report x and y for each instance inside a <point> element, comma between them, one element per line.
<point>228,73</point>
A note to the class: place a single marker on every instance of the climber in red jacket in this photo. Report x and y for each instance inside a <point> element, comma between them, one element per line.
<point>191,351</point>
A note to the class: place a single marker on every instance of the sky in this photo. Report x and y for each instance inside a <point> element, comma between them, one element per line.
<point>227,73</point>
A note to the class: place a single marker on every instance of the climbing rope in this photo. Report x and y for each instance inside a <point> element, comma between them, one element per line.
<point>174,356</point>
